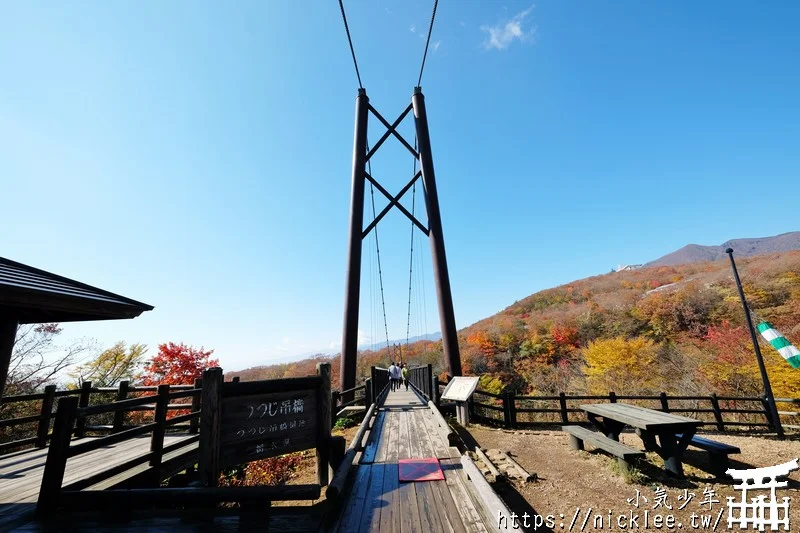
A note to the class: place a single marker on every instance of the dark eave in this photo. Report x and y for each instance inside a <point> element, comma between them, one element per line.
<point>29,295</point>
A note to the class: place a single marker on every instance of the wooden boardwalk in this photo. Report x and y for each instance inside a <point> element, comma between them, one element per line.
<point>374,499</point>
<point>406,428</point>
<point>21,472</point>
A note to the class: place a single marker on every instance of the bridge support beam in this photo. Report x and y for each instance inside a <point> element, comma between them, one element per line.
<point>8,335</point>
<point>347,368</point>
<point>441,276</point>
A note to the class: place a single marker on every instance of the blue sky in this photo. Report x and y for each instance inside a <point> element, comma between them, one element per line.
<point>196,155</point>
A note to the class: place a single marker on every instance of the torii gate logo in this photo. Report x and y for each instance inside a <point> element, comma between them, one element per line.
<point>758,512</point>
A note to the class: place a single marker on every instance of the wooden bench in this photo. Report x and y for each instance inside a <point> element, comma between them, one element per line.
<point>626,455</point>
<point>717,453</point>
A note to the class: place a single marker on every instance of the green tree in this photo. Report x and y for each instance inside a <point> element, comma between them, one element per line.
<point>113,365</point>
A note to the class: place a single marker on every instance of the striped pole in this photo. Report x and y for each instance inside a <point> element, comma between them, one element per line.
<point>779,342</point>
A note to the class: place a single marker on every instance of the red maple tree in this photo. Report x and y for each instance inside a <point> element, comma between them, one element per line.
<point>177,364</point>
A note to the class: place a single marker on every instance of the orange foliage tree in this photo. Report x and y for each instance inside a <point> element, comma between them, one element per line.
<point>177,364</point>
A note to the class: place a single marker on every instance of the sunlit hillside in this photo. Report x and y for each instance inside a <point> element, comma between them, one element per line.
<point>678,329</point>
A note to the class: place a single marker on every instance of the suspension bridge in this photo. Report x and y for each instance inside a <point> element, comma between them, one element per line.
<point>90,466</point>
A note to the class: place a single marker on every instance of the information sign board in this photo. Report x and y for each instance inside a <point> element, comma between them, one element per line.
<point>460,388</point>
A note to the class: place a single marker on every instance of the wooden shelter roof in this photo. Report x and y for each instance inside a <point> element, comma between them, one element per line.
<point>29,295</point>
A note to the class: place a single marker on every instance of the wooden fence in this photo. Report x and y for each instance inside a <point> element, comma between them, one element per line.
<point>35,427</point>
<point>511,411</point>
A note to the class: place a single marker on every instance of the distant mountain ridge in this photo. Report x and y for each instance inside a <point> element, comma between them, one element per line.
<point>381,345</point>
<point>694,253</point>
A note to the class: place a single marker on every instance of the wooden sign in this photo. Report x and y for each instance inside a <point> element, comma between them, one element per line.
<point>264,425</point>
<point>245,421</point>
<point>460,388</point>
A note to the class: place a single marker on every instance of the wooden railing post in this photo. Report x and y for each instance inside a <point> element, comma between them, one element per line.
<point>46,414</point>
<point>429,381</point>
<point>718,413</point>
<point>160,419</point>
<point>436,399</point>
<point>335,406</point>
<point>80,424</point>
<point>324,424</point>
<point>369,394</point>
<point>194,423</point>
<point>119,414</point>
<point>210,426</point>
<point>664,403</point>
<point>506,410</point>
<point>512,408</point>
<point>562,402</point>
<point>57,455</point>
<point>612,397</point>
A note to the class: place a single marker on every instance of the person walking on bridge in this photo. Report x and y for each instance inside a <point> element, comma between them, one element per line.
<point>392,373</point>
<point>405,375</point>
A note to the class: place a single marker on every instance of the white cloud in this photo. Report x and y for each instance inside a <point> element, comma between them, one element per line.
<point>413,28</point>
<point>503,34</point>
<point>363,338</point>
<point>436,45</point>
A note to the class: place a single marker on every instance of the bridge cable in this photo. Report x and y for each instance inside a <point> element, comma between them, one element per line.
<point>378,252</point>
<point>411,260</point>
<point>430,30</point>
<point>352,50</point>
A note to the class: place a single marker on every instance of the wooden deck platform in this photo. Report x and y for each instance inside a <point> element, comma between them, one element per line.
<point>406,428</point>
<point>21,472</point>
<point>374,500</point>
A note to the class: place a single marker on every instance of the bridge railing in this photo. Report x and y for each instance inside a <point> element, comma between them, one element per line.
<point>425,382</point>
<point>62,447</point>
<point>33,428</point>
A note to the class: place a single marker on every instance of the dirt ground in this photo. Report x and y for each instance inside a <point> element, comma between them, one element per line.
<point>306,474</point>
<point>590,484</point>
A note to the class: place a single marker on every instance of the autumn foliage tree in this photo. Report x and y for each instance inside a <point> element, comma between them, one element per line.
<point>177,364</point>
<point>620,362</point>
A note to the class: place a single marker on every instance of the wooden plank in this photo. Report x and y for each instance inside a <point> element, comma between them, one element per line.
<point>429,510</point>
<point>386,437</point>
<point>435,435</point>
<point>414,444</point>
<point>640,417</point>
<point>451,517</point>
<point>393,437</point>
<point>410,521</point>
<point>354,508</point>
<point>603,442</point>
<point>490,503</point>
<point>457,482</point>
<point>391,510</point>
<point>375,436</point>
<point>425,444</point>
<point>371,517</point>
<point>403,448</point>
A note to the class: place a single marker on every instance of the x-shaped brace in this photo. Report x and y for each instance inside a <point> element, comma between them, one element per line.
<point>391,129</point>
<point>394,201</point>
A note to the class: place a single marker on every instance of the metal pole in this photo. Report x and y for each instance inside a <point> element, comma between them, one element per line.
<point>767,387</point>
<point>347,374</point>
<point>446,314</point>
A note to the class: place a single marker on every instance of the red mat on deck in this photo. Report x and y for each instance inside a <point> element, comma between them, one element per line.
<point>420,469</point>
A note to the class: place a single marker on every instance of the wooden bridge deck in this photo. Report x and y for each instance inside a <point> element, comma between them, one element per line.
<point>21,472</point>
<point>405,428</point>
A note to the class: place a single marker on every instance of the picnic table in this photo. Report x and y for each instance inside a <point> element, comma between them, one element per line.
<point>674,432</point>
